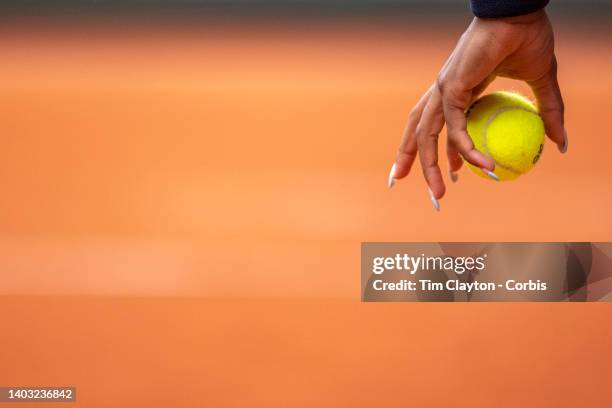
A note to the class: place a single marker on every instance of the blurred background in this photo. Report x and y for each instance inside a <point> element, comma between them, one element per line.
<point>185,186</point>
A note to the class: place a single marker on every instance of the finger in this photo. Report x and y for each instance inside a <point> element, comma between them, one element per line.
<point>551,107</point>
<point>454,161</point>
<point>407,150</point>
<point>467,74</point>
<point>481,87</point>
<point>427,133</point>
<point>454,104</point>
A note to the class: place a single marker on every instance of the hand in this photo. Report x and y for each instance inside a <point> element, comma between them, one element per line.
<point>514,47</point>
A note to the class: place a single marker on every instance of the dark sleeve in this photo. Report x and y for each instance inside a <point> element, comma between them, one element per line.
<point>505,8</point>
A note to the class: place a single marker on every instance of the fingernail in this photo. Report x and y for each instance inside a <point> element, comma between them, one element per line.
<point>391,181</point>
<point>434,200</point>
<point>490,174</point>
<point>563,148</point>
<point>453,176</point>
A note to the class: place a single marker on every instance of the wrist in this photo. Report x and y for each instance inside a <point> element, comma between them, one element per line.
<point>525,18</point>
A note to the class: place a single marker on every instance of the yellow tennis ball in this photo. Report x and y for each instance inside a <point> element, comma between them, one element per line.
<point>507,127</point>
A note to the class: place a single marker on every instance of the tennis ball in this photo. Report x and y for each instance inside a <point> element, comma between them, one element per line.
<point>507,127</point>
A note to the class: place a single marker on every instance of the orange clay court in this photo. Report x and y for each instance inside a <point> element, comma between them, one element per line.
<point>182,210</point>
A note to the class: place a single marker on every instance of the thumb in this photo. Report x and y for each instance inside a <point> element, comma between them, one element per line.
<point>551,107</point>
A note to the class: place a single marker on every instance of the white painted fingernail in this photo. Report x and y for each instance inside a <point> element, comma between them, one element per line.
<point>563,148</point>
<point>391,180</point>
<point>490,174</point>
<point>453,176</point>
<point>434,200</point>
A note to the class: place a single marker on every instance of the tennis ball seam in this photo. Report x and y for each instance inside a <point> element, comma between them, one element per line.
<point>490,119</point>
